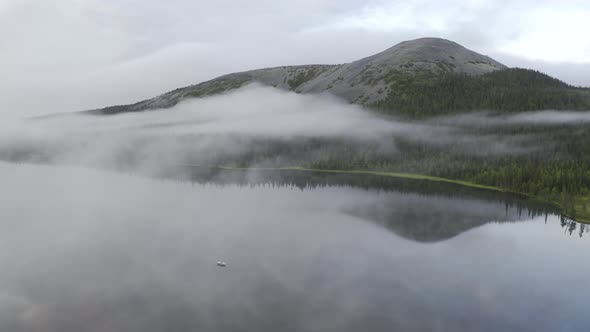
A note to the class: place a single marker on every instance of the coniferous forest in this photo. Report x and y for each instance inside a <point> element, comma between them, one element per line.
<point>422,93</point>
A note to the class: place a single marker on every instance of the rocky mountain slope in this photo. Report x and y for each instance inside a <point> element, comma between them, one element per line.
<point>359,81</point>
<point>419,77</point>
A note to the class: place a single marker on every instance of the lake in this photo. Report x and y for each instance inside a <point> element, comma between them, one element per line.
<point>88,250</point>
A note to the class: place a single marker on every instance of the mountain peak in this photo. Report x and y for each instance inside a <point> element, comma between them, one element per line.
<point>364,81</point>
<point>429,41</point>
<point>427,46</point>
<point>434,54</point>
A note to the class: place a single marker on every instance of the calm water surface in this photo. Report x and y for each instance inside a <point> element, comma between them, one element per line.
<point>83,250</point>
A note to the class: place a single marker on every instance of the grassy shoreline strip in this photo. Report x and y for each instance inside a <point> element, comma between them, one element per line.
<point>584,219</point>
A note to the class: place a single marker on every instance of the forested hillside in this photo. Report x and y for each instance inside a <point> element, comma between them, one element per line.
<point>423,93</point>
<point>416,78</point>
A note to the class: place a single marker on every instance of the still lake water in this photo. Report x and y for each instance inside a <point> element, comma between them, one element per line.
<point>84,250</point>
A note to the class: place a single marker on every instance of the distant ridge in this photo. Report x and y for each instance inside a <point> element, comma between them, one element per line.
<point>401,80</point>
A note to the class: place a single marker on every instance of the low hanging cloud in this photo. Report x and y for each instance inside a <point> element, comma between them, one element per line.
<point>208,130</point>
<point>530,118</point>
<point>261,126</point>
<point>254,110</point>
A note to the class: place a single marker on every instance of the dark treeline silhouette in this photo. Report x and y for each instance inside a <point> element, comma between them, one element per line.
<point>311,180</point>
<point>570,226</point>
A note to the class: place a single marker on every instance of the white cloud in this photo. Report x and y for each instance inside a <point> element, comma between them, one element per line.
<point>553,34</point>
<point>43,36</point>
<point>195,131</point>
<point>545,30</point>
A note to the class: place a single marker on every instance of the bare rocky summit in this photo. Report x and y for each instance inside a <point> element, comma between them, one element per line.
<point>364,81</point>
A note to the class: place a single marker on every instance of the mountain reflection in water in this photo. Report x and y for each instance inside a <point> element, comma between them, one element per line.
<point>425,211</point>
<point>84,250</point>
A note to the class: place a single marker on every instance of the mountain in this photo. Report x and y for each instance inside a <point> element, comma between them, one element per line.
<point>427,76</point>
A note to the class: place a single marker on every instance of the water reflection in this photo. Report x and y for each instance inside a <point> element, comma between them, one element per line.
<point>84,251</point>
<point>570,226</point>
<point>423,211</point>
<point>435,218</point>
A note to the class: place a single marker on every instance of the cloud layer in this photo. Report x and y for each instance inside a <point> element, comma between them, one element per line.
<point>264,127</point>
<point>207,130</point>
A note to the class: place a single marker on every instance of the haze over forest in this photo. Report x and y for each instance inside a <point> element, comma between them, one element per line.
<point>294,166</point>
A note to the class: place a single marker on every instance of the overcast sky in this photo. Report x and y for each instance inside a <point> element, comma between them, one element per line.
<point>68,55</point>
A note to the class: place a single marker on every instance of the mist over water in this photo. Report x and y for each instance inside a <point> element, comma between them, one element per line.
<point>252,120</point>
<point>85,250</point>
<point>206,131</point>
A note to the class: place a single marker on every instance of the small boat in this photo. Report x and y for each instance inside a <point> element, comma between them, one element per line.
<point>221,264</point>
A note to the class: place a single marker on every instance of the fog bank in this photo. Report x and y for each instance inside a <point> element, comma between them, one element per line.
<point>530,118</point>
<point>261,126</point>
